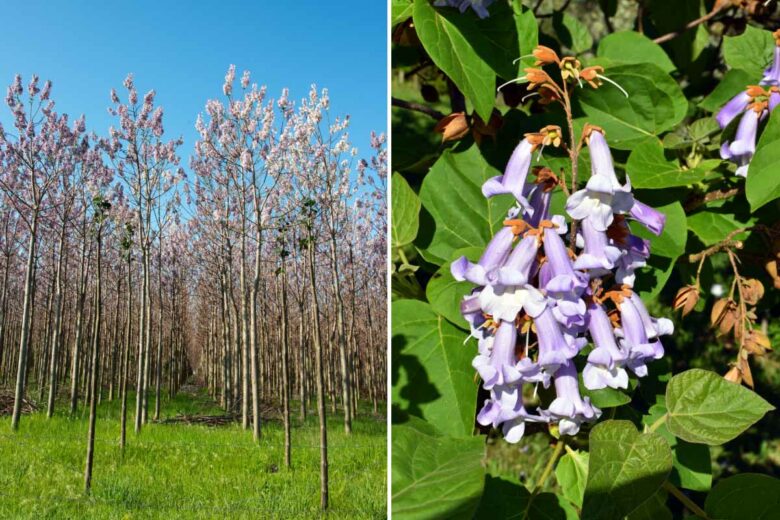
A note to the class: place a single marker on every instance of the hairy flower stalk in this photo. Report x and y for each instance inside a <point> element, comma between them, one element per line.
<point>539,302</point>
<point>751,106</point>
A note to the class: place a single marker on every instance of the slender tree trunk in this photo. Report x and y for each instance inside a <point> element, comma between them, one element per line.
<point>93,377</point>
<point>29,283</point>
<point>320,376</point>
<point>126,353</point>
<point>285,370</point>
<point>82,294</point>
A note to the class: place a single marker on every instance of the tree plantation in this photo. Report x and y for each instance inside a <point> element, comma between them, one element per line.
<point>249,275</point>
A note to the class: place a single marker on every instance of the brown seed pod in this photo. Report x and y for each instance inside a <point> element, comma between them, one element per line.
<point>757,343</point>
<point>752,291</point>
<point>686,299</point>
<point>733,375</point>
<point>744,370</point>
<point>724,315</point>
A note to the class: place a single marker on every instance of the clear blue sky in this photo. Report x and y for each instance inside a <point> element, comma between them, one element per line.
<point>183,48</point>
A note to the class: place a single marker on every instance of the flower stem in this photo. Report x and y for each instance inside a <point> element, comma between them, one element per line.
<point>550,465</point>
<point>687,502</point>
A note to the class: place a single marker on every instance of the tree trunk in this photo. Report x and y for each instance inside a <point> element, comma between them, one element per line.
<point>29,282</point>
<point>93,376</point>
<point>320,376</point>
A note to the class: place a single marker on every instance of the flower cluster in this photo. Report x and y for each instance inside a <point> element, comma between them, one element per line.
<point>539,302</point>
<point>754,105</point>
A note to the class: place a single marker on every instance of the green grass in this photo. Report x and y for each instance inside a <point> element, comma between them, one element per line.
<point>187,471</point>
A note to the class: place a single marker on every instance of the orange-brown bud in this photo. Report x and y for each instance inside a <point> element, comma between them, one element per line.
<point>570,68</point>
<point>545,178</point>
<point>545,55</point>
<point>536,77</point>
<point>590,74</point>
<point>453,127</point>
<point>686,299</point>
<point>589,129</point>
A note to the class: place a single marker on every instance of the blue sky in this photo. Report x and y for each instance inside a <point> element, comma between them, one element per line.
<point>182,50</point>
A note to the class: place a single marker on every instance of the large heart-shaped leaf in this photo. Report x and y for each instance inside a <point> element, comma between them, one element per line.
<point>654,104</point>
<point>633,47</point>
<point>751,51</point>
<point>445,293</point>
<point>691,463</point>
<point>572,475</point>
<point>463,217</point>
<point>625,469</point>
<point>433,377</point>
<point>435,476</point>
<point>705,408</point>
<point>406,212</point>
<point>452,51</point>
<point>671,243</point>
<point>763,180</point>
<point>748,495</point>
<point>649,166</point>
<point>509,500</point>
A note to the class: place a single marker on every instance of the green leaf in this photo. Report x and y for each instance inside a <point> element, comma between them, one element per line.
<point>652,278</point>
<point>572,474</point>
<point>649,166</point>
<point>508,500</point>
<point>632,47</point>
<point>400,11</point>
<point>406,211</point>
<point>453,53</point>
<point>625,469</point>
<point>572,33</point>
<point>434,476</point>
<point>763,179</point>
<point>705,408</point>
<point>605,397</point>
<point>655,104</point>
<point>463,217</point>
<point>671,243</point>
<point>445,293</point>
<point>711,226</point>
<point>748,495</point>
<point>433,377</point>
<point>527,34</point>
<point>751,51</point>
<point>691,463</point>
<point>733,82</point>
<point>654,508</point>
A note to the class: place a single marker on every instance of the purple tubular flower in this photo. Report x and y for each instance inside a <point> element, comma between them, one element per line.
<point>649,217</point>
<point>499,368</point>
<point>732,109</point>
<point>479,6</point>
<point>565,286</point>
<point>539,205</point>
<point>514,179</point>
<point>634,339</point>
<point>743,147</point>
<point>774,99</point>
<point>486,270</point>
<point>772,73</point>
<point>636,251</point>
<point>603,195</point>
<point>569,407</point>
<point>511,292</point>
<point>506,406</point>
<point>606,360</point>
<point>554,349</point>
<point>598,254</point>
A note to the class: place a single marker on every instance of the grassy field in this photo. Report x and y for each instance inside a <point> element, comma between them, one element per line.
<point>188,471</point>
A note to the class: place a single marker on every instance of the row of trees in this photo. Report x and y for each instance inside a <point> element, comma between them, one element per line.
<point>262,275</point>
